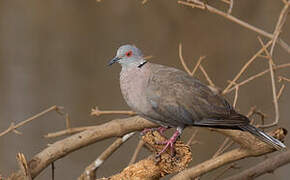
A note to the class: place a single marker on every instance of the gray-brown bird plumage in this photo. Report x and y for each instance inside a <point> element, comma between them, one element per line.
<point>170,97</point>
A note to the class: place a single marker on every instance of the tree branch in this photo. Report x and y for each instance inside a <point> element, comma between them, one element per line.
<point>90,171</point>
<point>250,146</point>
<point>59,149</point>
<point>120,127</point>
<point>201,5</point>
<point>152,168</point>
<point>266,166</point>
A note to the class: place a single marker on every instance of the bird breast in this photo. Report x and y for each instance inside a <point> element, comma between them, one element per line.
<point>133,82</point>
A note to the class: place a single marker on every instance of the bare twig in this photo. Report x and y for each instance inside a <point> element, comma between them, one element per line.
<point>230,3</point>
<point>266,166</point>
<point>13,127</point>
<point>206,76</point>
<point>68,131</point>
<point>191,139</point>
<point>182,60</point>
<point>89,172</point>
<point>277,114</point>
<point>281,78</point>
<point>281,21</point>
<point>197,65</point>
<point>236,95</point>
<point>97,112</point>
<point>258,75</point>
<point>23,166</point>
<point>280,91</point>
<point>222,148</point>
<point>231,6</point>
<point>204,6</point>
<point>67,121</point>
<point>136,152</point>
<point>243,69</point>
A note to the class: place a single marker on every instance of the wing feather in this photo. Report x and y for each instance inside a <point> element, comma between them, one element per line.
<point>181,99</point>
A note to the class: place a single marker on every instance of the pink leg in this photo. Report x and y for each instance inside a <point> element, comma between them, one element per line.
<point>170,142</point>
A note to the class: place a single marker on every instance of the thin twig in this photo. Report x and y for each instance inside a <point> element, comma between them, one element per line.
<point>236,96</point>
<point>211,9</point>
<point>67,121</point>
<point>243,69</point>
<point>282,78</point>
<point>199,4</point>
<point>13,127</point>
<point>136,152</point>
<point>89,172</point>
<point>23,166</point>
<point>206,76</point>
<point>231,4</point>
<point>97,112</point>
<point>197,65</point>
<point>182,60</point>
<point>280,91</point>
<point>221,149</point>
<point>279,25</point>
<point>276,106</point>
<point>258,75</point>
<point>191,139</point>
<point>68,131</point>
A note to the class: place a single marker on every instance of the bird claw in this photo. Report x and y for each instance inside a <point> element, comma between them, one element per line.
<point>169,143</point>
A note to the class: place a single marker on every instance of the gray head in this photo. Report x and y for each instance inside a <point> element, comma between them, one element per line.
<point>128,55</point>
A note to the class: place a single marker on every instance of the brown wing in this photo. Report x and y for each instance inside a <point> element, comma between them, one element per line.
<point>182,100</point>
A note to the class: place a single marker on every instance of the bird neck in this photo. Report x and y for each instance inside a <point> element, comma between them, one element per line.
<point>137,64</point>
<point>142,64</point>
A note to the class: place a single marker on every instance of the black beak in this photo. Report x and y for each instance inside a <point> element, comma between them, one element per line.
<point>115,59</point>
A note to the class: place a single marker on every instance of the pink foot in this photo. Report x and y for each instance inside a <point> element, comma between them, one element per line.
<point>169,143</point>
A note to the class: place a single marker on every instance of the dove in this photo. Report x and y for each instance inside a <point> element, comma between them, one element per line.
<point>173,99</point>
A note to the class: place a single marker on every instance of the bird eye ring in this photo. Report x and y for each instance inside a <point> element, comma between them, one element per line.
<point>129,53</point>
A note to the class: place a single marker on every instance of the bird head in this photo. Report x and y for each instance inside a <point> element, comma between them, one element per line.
<point>128,55</point>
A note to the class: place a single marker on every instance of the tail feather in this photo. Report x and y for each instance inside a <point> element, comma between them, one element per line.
<point>264,137</point>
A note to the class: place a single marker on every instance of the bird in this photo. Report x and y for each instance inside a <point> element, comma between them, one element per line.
<point>173,99</point>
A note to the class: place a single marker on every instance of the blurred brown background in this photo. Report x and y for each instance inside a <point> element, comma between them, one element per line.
<point>55,53</point>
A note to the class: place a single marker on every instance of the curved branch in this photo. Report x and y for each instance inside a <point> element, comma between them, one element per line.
<point>264,167</point>
<point>59,149</point>
<point>120,127</point>
<point>249,147</point>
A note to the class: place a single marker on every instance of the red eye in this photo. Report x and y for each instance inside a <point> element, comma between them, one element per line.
<point>129,53</point>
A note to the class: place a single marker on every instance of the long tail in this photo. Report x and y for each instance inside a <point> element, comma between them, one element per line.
<point>264,137</point>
